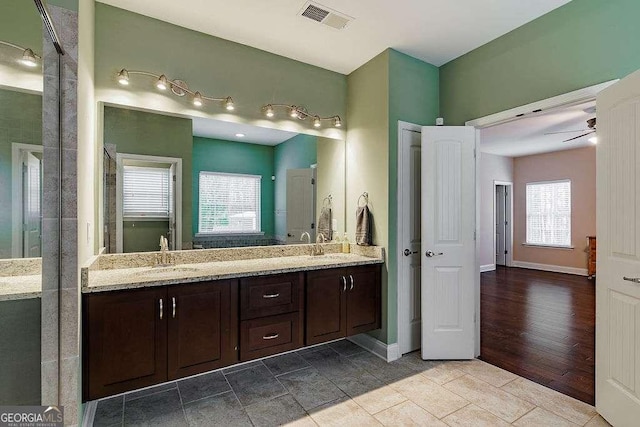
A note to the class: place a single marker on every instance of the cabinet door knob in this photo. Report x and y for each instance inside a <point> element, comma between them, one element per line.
<point>270,337</point>
<point>173,302</point>
<point>351,280</point>
<point>161,309</point>
<point>344,284</point>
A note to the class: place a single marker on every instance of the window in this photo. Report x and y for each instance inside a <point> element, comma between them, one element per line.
<point>146,192</point>
<point>229,203</point>
<point>549,213</point>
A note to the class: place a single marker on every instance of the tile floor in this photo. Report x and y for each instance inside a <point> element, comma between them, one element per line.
<point>340,384</point>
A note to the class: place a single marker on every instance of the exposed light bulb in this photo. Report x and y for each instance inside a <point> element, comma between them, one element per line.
<point>197,99</point>
<point>316,122</point>
<point>593,140</point>
<point>29,58</point>
<point>228,104</point>
<point>293,112</point>
<point>337,122</point>
<point>268,111</point>
<point>240,135</point>
<point>123,77</point>
<point>162,82</point>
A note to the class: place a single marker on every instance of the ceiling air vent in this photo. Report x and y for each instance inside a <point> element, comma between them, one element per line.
<point>324,15</point>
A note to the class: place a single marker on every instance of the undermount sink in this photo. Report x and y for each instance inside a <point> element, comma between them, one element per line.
<point>168,269</point>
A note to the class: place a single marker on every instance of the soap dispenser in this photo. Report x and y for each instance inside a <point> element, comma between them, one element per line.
<point>346,247</point>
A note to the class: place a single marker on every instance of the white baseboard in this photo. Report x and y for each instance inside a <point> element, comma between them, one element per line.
<point>387,352</point>
<point>552,268</point>
<point>487,267</point>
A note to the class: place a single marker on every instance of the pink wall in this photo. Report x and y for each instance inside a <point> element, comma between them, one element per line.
<point>578,165</point>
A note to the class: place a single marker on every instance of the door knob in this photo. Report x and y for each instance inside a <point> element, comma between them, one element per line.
<point>632,279</point>
<point>431,254</point>
<point>408,252</point>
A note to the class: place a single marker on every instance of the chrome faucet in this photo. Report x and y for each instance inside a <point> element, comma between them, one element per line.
<point>308,236</point>
<point>317,249</point>
<point>164,257</point>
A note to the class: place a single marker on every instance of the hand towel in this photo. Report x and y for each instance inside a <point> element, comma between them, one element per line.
<point>363,226</point>
<point>324,223</point>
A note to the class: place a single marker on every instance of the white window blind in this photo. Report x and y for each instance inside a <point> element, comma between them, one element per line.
<point>146,192</point>
<point>549,213</point>
<point>229,203</point>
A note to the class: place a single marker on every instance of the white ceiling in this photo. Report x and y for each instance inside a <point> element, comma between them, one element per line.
<point>526,136</point>
<point>217,129</point>
<point>435,31</point>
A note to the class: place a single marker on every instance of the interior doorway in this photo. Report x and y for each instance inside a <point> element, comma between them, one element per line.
<point>27,200</point>
<point>503,214</point>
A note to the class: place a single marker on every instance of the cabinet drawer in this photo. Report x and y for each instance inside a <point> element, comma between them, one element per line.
<point>270,335</point>
<point>267,296</point>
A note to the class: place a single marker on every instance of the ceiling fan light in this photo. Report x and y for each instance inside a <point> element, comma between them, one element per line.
<point>162,82</point>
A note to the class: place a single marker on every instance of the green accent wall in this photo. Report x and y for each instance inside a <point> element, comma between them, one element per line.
<point>299,152</point>
<point>20,24</point>
<point>143,236</point>
<point>216,155</point>
<point>137,132</point>
<point>582,43</point>
<point>20,122</point>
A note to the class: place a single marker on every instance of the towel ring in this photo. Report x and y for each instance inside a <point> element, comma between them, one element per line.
<point>326,202</point>
<point>364,196</point>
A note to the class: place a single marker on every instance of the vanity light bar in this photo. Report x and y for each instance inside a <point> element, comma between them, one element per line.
<point>29,58</point>
<point>301,113</point>
<point>178,87</point>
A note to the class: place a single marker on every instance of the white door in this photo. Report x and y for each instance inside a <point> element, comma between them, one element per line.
<point>31,206</point>
<point>500,209</point>
<point>448,242</point>
<point>618,258</point>
<point>300,204</point>
<point>409,240</point>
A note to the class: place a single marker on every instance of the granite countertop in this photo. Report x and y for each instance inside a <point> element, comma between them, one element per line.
<point>20,287</point>
<point>137,277</point>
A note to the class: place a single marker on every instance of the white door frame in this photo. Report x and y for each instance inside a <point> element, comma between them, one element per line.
<point>509,257</point>
<point>403,203</point>
<point>17,150</point>
<point>529,110</point>
<point>120,157</point>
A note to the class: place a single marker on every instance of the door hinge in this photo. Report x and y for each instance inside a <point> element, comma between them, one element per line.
<point>174,178</point>
<point>474,235</point>
<point>313,181</point>
<point>474,153</point>
<point>313,225</point>
<point>506,252</point>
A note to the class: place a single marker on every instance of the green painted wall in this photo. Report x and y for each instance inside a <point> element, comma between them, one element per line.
<point>20,23</point>
<point>143,236</point>
<point>20,352</point>
<point>20,122</point>
<point>298,152</point>
<point>413,97</point>
<point>137,132</point>
<point>214,66</point>
<point>235,157</point>
<point>580,44</point>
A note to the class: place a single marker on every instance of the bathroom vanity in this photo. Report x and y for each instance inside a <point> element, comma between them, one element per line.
<point>144,325</point>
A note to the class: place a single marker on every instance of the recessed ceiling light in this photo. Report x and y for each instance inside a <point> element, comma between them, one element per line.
<point>240,135</point>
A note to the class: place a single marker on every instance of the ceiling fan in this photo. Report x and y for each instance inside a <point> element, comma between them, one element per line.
<point>591,124</point>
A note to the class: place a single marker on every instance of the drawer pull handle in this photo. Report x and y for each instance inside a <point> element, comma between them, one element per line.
<point>344,284</point>
<point>270,296</point>
<point>161,309</point>
<point>173,313</point>
<point>270,337</point>
<point>632,279</point>
<point>351,279</point>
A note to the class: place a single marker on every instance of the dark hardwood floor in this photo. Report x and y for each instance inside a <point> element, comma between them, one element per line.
<point>541,326</point>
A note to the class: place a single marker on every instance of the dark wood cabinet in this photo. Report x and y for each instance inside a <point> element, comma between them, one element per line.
<point>126,340</point>
<point>271,309</point>
<point>342,302</point>
<point>136,338</point>
<point>203,324</point>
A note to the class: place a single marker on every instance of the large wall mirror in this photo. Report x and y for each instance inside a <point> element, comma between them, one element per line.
<point>204,183</point>
<point>21,166</point>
